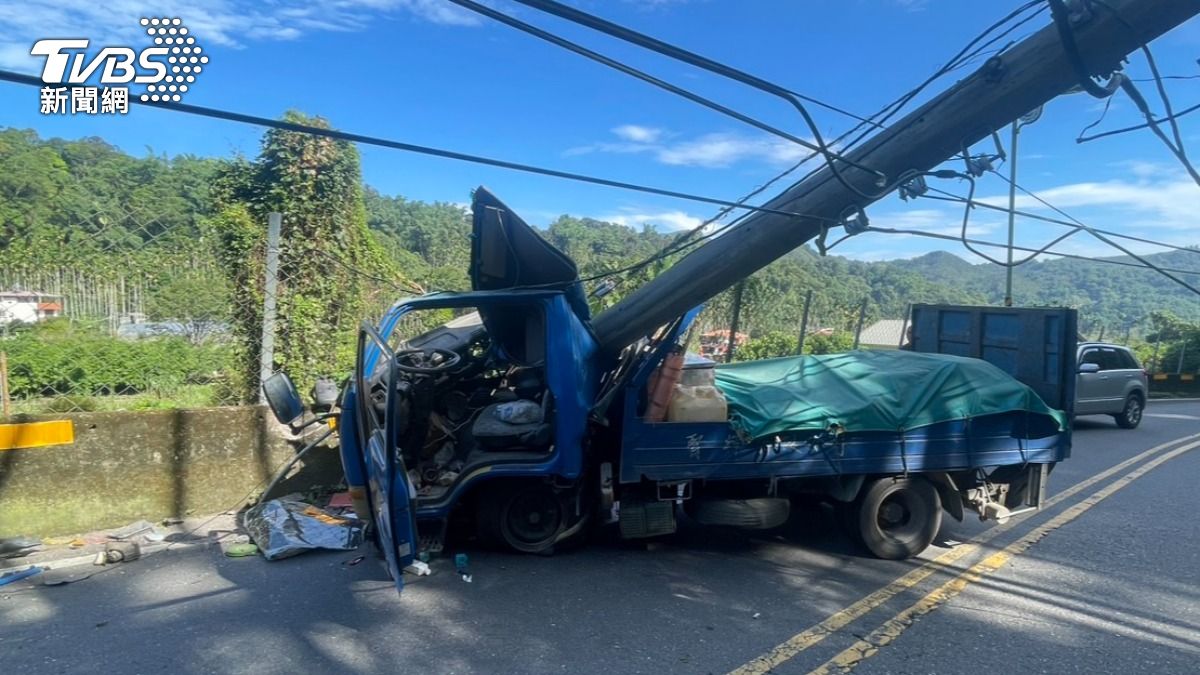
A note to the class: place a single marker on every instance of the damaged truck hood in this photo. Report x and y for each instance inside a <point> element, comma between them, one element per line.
<point>508,254</point>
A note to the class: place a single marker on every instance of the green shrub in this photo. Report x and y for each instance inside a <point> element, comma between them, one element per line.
<point>776,343</point>
<point>60,359</point>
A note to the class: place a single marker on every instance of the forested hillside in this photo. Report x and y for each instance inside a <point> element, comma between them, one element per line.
<point>86,205</point>
<point>181,240</point>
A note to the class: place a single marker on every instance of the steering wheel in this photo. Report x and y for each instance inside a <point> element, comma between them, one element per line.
<point>450,359</point>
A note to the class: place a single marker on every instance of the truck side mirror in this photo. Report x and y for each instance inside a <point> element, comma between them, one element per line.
<point>1089,368</point>
<point>283,398</point>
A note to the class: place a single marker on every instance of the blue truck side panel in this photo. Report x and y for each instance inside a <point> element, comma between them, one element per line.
<point>711,450</point>
<point>1037,347</point>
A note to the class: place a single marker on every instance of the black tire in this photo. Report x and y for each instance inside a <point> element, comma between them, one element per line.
<point>761,513</point>
<point>1131,414</point>
<point>527,518</point>
<point>898,517</point>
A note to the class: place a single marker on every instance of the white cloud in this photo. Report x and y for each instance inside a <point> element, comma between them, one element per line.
<point>655,4</point>
<point>713,150</point>
<point>635,133</point>
<point>724,149</point>
<point>218,22</point>
<point>947,222</point>
<point>667,220</point>
<point>1151,202</point>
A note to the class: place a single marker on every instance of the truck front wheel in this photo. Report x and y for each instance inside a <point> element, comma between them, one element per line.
<point>527,517</point>
<point>898,517</point>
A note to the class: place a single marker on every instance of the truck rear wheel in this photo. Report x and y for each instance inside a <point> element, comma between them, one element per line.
<point>898,517</point>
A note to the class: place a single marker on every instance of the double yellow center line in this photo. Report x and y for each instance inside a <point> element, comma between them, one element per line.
<point>891,629</point>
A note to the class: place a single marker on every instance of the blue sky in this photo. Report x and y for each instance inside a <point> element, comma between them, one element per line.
<point>425,72</point>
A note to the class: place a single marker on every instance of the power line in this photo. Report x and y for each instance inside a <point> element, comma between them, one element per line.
<point>645,77</point>
<point>653,44</point>
<point>215,113</point>
<point>625,68</point>
<point>1177,148</point>
<point>974,203</point>
<point>956,61</point>
<point>1100,236</point>
<point>886,112</point>
<point>676,246</point>
<point>1060,254</point>
<point>1144,125</point>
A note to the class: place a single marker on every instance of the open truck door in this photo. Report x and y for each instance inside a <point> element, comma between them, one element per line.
<point>387,477</point>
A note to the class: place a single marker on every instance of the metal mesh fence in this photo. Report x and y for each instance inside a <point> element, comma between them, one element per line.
<point>139,314</point>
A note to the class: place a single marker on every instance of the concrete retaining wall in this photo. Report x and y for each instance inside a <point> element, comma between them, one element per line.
<point>155,464</point>
<point>1164,385</point>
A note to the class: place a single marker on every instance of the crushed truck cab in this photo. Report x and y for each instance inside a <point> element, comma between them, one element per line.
<point>497,409</point>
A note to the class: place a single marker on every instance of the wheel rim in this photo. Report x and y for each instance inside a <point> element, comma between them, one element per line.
<point>900,514</point>
<point>532,519</point>
<point>1133,411</point>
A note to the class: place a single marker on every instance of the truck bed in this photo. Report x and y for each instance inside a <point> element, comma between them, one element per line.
<point>713,451</point>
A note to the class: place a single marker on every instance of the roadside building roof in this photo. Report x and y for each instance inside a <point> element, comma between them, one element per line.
<point>883,333</point>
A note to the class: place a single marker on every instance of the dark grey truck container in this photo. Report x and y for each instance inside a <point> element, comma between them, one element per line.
<point>1034,345</point>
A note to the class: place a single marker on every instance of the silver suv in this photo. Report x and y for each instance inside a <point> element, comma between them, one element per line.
<point>1110,382</point>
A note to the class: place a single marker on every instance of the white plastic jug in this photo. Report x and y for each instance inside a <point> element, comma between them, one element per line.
<point>704,403</point>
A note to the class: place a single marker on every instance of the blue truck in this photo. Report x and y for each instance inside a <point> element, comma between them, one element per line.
<point>499,408</point>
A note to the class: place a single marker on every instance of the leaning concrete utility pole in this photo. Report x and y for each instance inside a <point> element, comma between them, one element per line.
<point>1004,88</point>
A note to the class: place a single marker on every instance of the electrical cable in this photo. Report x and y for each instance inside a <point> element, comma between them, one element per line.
<point>1156,76</point>
<point>1131,90</point>
<point>1177,148</point>
<point>18,78</point>
<point>1165,77</point>
<point>1099,236</point>
<point>1143,125</point>
<point>1066,35</point>
<point>1103,113</point>
<point>995,244</point>
<point>886,112</point>
<point>639,74</point>
<point>646,42</point>
<point>891,109</point>
<point>645,77</point>
<point>950,197</point>
<point>968,203</point>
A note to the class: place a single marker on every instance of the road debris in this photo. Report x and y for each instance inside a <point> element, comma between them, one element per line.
<point>419,568</point>
<point>286,527</point>
<point>241,550</point>
<point>460,564</point>
<point>16,547</point>
<point>118,551</point>
<point>10,577</point>
<point>131,530</point>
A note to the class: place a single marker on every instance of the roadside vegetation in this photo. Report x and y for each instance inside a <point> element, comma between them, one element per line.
<point>160,259</point>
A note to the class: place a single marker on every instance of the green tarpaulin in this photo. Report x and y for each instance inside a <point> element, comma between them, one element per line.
<point>869,391</point>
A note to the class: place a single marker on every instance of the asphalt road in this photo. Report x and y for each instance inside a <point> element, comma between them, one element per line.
<point>1107,580</point>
